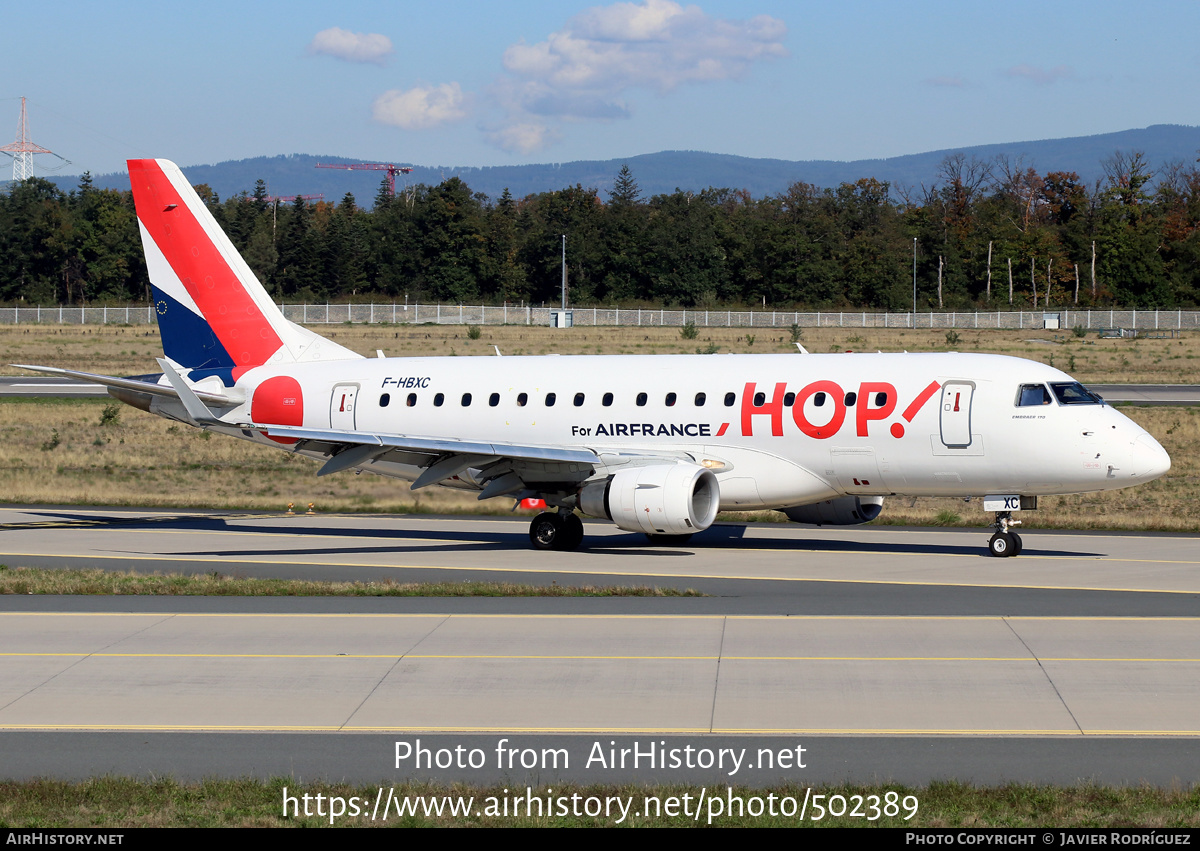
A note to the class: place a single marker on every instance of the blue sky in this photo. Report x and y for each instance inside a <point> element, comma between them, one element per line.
<point>473,84</point>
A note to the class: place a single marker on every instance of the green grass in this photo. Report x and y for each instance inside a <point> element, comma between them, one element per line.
<point>30,580</point>
<point>124,803</point>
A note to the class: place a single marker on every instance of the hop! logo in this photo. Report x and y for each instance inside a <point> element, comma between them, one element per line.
<point>873,401</point>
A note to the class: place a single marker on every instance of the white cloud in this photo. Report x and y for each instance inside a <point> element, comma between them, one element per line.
<point>352,47</point>
<point>657,44</point>
<point>1041,76</point>
<point>651,21</point>
<point>420,107</point>
<point>522,138</point>
<point>582,71</point>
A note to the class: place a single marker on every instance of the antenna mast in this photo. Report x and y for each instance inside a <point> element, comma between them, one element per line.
<point>22,150</point>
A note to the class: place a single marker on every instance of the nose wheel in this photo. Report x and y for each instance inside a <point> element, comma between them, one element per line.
<point>1006,542</point>
<point>562,531</point>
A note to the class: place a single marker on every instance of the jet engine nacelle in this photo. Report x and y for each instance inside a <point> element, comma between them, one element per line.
<point>843,511</point>
<point>661,499</point>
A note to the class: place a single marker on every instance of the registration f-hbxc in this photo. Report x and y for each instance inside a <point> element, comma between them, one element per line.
<point>657,444</point>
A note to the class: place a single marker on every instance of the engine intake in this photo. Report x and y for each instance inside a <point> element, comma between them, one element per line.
<point>661,499</point>
<point>843,511</point>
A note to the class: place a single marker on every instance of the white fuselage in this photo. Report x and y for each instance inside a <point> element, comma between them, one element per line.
<point>824,425</point>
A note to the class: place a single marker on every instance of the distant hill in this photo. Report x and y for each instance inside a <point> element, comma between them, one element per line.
<point>663,172</point>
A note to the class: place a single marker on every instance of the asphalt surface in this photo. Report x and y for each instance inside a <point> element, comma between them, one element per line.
<point>889,655</point>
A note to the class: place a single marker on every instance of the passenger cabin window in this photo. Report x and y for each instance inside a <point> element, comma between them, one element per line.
<point>466,400</point>
<point>760,399</point>
<point>1073,393</point>
<point>641,399</point>
<point>578,400</point>
<point>551,398</point>
<point>670,400</point>
<point>730,398</point>
<point>819,399</point>
<point>385,400</point>
<point>700,397</point>
<point>789,399</point>
<point>522,399</point>
<point>411,400</point>
<point>439,399</point>
<point>607,400</point>
<point>494,400</point>
<point>851,398</point>
<point>880,400</point>
<point>1032,395</point>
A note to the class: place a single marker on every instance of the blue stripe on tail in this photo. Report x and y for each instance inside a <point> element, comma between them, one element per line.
<point>186,338</point>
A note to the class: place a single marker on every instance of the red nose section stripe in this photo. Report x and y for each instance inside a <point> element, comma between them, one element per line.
<point>227,307</point>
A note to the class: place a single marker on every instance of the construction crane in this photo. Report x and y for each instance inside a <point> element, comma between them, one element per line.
<point>23,149</point>
<point>392,171</point>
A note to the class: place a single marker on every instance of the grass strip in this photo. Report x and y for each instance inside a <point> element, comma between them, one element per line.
<point>114,802</point>
<point>35,580</point>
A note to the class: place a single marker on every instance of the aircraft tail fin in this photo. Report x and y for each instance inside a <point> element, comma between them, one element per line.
<point>214,316</point>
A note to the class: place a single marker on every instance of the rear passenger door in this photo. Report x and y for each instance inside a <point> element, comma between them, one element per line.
<point>341,407</point>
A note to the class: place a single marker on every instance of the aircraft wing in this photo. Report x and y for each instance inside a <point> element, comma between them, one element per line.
<point>447,457</point>
<point>437,445</point>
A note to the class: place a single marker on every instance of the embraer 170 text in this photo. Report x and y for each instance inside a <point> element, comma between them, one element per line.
<point>657,444</point>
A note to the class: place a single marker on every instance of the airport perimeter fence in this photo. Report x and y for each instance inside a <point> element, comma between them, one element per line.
<point>458,314</point>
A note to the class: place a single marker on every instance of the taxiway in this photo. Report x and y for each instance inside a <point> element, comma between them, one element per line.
<point>1080,652</point>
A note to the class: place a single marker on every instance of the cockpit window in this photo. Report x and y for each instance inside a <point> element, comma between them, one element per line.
<point>1031,395</point>
<point>1073,393</point>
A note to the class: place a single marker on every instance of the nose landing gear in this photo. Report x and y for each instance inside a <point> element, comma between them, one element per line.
<point>1005,542</point>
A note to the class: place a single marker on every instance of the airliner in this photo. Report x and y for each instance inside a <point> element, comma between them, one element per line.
<point>656,444</point>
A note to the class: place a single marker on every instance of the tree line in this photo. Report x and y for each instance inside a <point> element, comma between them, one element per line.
<point>984,235</point>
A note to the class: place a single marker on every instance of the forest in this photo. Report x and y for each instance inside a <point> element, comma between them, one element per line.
<point>985,234</point>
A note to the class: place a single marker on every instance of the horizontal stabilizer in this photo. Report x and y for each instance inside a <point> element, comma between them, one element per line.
<point>134,384</point>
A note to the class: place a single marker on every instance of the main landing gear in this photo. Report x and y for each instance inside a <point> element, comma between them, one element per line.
<point>562,531</point>
<point>1005,542</point>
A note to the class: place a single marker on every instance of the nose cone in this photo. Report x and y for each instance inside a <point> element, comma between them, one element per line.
<point>1148,460</point>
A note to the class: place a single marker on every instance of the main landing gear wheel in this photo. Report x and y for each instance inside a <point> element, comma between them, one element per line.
<point>572,532</point>
<point>550,531</point>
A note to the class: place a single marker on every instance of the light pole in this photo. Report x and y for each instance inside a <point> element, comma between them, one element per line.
<point>914,313</point>
<point>564,274</point>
